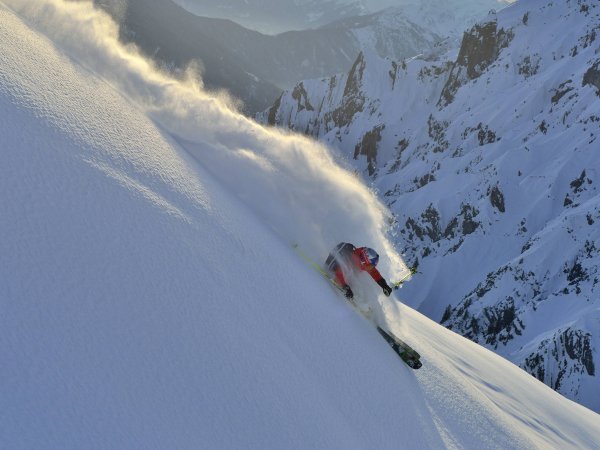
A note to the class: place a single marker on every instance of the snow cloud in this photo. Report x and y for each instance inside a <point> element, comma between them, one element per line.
<point>292,183</point>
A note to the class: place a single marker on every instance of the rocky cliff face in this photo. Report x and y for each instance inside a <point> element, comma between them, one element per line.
<point>486,154</point>
<point>562,359</point>
<point>479,49</point>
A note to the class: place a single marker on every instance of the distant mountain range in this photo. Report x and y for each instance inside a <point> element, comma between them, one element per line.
<point>255,67</point>
<point>278,16</point>
<point>487,154</point>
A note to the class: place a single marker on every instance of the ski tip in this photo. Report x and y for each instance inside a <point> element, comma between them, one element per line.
<point>414,364</point>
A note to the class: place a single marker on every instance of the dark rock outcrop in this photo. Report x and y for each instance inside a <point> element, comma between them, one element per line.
<point>301,96</point>
<point>368,147</point>
<point>566,353</point>
<point>354,99</point>
<point>497,199</point>
<point>592,77</point>
<point>479,49</point>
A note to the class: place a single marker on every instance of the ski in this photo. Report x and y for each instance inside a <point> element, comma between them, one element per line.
<point>401,348</point>
<point>408,354</point>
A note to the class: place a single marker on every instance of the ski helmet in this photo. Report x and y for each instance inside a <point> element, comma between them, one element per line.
<point>372,255</point>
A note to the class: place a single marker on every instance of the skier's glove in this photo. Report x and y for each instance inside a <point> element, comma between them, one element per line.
<point>386,289</point>
<point>348,292</point>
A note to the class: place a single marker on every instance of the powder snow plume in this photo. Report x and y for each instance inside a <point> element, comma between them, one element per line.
<point>291,182</point>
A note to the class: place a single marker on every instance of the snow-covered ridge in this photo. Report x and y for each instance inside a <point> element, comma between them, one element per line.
<point>149,301</point>
<point>487,157</point>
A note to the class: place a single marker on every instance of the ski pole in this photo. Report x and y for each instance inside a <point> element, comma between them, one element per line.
<point>314,265</point>
<point>397,284</point>
<point>308,260</point>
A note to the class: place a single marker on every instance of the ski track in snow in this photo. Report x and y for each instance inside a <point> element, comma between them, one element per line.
<point>148,302</point>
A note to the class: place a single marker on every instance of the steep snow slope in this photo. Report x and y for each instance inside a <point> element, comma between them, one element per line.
<point>150,298</point>
<point>487,155</point>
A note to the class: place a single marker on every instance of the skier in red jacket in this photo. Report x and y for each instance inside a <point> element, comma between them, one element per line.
<point>346,256</point>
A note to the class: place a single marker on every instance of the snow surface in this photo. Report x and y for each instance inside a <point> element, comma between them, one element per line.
<point>150,297</point>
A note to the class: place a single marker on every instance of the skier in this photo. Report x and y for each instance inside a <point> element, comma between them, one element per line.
<point>346,256</point>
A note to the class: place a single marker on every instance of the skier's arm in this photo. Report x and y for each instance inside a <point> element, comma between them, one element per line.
<point>372,270</point>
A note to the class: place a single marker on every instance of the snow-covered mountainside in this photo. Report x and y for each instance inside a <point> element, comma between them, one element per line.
<point>150,297</point>
<point>487,156</point>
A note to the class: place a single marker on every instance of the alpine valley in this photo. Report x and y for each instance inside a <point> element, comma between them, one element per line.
<point>487,154</point>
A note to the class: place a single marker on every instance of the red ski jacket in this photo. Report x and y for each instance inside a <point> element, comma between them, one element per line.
<point>360,260</point>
